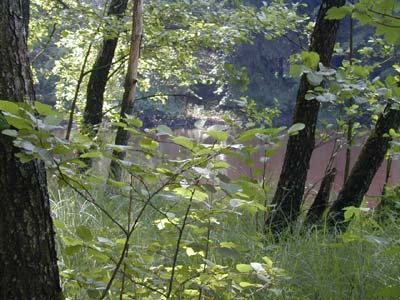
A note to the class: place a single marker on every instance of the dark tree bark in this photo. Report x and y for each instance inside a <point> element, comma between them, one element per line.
<point>131,79</point>
<point>28,261</point>
<point>93,112</point>
<point>290,190</point>
<point>321,201</point>
<point>366,166</point>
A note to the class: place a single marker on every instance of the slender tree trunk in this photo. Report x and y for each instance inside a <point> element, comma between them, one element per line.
<point>349,137</point>
<point>130,83</point>
<point>321,201</point>
<point>28,262</point>
<point>289,194</point>
<point>366,166</point>
<point>388,174</point>
<point>93,112</point>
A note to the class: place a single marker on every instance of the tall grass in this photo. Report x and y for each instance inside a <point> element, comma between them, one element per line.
<point>309,264</point>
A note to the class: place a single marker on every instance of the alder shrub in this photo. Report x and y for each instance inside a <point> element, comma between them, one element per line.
<point>183,226</point>
<point>169,229</point>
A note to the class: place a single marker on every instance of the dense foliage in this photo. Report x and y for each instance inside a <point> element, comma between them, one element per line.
<point>188,223</point>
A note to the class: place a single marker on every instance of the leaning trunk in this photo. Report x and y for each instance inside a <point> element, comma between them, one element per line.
<point>28,262</point>
<point>290,190</point>
<point>368,163</point>
<point>93,112</point>
<point>130,84</point>
<point>320,204</point>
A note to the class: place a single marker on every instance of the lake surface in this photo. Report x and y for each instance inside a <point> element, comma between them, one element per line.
<point>319,161</point>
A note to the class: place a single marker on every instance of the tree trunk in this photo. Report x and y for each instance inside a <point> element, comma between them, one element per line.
<point>321,201</point>
<point>366,166</point>
<point>93,112</point>
<point>130,84</point>
<point>28,261</point>
<point>290,190</point>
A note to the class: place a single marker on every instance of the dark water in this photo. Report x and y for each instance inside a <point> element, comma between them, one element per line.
<point>319,161</point>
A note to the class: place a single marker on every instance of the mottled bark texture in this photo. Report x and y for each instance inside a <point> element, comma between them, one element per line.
<point>131,79</point>
<point>28,261</point>
<point>93,112</point>
<point>366,166</point>
<point>321,201</point>
<point>289,194</point>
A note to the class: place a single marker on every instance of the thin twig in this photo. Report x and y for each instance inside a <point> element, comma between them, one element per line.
<point>178,243</point>
<point>78,86</point>
<point>67,180</point>
<point>47,43</point>
<point>384,15</point>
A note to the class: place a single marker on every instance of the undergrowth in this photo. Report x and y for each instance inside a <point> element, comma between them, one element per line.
<point>184,226</point>
<point>362,263</point>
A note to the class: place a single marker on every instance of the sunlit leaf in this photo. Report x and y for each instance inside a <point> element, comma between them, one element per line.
<point>183,141</point>
<point>10,107</point>
<point>164,130</point>
<point>244,268</point>
<point>43,109</point>
<point>296,128</point>
<point>84,233</point>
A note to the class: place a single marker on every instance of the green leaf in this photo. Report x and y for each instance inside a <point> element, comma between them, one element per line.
<point>257,267</point>
<point>310,58</point>
<point>59,224</point>
<point>191,293</point>
<point>183,141</point>
<point>392,291</point>
<point>325,71</point>
<point>209,188</point>
<point>164,130</point>
<point>230,188</point>
<point>54,119</point>
<point>61,149</point>
<point>326,97</point>
<point>235,202</point>
<point>84,233</point>
<point>188,193</point>
<point>190,251</point>
<point>92,154</point>
<point>17,122</point>
<point>268,261</point>
<point>10,107</point>
<point>229,245</point>
<point>351,212</point>
<point>360,71</point>
<point>220,164</point>
<point>27,146</point>
<point>93,293</point>
<point>295,70</point>
<point>337,13</point>
<point>71,250</point>
<point>295,128</point>
<point>314,78</point>
<point>244,268</point>
<point>10,132</point>
<point>220,136</point>
<point>245,284</point>
<point>43,109</point>
<point>394,250</point>
<point>132,120</point>
<point>148,143</point>
<point>118,184</point>
<point>200,196</point>
<point>97,255</point>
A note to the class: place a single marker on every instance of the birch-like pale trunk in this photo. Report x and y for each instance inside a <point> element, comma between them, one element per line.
<point>131,80</point>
